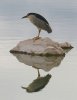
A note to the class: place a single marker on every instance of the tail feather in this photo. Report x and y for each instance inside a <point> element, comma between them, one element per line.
<point>49,30</point>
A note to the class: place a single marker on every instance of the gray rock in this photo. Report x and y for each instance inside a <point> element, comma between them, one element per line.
<point>41,46</point>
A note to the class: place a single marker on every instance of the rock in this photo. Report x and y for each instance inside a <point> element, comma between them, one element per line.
<point>65,45</point>
<point>42,46</point>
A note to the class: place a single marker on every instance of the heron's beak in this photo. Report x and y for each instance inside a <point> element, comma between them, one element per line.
<point>24,17</point>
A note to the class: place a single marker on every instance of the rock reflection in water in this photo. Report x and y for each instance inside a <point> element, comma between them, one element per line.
<point>39,62</point>
<point>45,63</point>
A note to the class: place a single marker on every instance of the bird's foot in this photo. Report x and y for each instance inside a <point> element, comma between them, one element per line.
<point>36,38</point>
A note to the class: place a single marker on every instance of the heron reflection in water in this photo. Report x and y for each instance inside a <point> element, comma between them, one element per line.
<point>38,84</point>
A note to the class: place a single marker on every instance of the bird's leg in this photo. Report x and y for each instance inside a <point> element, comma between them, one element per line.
<point>38,73</point>
<point>37,37</point>
<point>39,33</point>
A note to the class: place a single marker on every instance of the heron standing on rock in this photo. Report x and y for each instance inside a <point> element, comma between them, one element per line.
<point>40,22</point>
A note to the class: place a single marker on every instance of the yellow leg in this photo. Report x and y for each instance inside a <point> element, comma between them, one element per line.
<point>37,37</point>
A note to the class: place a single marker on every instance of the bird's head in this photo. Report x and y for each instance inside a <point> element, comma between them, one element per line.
<point>28,15</point>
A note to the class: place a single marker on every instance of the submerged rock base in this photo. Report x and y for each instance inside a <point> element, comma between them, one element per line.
<point>41,47</point>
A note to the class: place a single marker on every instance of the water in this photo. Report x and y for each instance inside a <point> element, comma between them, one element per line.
<point>16,71</point>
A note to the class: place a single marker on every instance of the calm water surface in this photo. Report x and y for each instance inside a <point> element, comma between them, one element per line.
<point>17,71</point>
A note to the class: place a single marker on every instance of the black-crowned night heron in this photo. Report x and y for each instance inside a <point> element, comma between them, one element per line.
<point>40,22</point>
